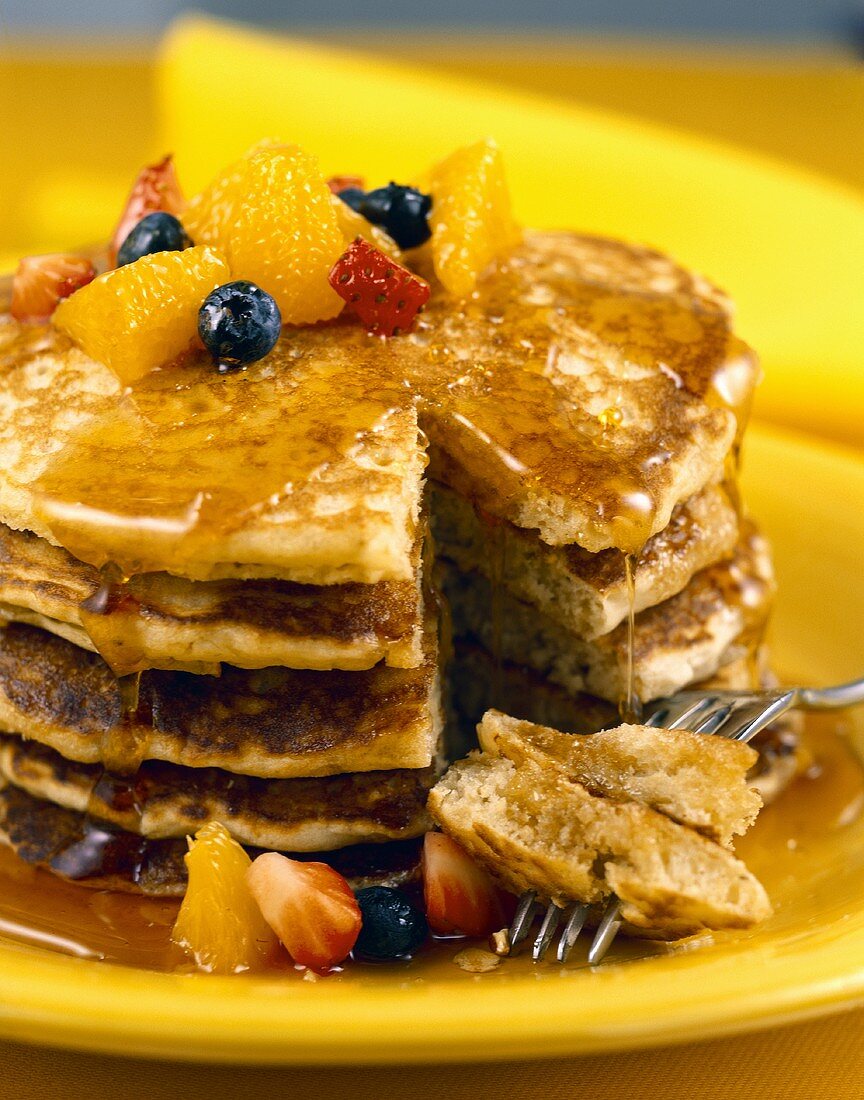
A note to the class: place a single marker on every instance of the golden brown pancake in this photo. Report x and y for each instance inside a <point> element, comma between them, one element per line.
<point>98,855</point>
<point>586,593</point>
<point>165,800</point>
<point>585,390</point>
<point>272,723</point>
<point>161,621</point>
<point>680,641</point>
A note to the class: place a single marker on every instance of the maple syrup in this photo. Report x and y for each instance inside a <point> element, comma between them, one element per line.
<point>514,384</point>
<point>630,705</point>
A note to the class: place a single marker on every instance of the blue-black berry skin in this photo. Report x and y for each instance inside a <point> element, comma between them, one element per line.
<point>402,211</point>
<point>393,927</point>
<point>159,232</point>
<point>239,323</point>
<point>353,197</point>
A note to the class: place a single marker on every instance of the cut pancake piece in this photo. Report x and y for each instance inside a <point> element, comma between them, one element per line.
<point>99,855</point>
<point>534,830</point>
<point>165,800</point>
<point>585,593</point>
<point>157,620</point>
<point>476,685</point>
<point>273,722</point>
<point>680,641</point>
<point>697,780</point>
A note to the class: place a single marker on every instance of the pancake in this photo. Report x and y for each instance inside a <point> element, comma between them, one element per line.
<point>100,856</point>
<point>585,390</point>
<point>163,621</point>
<point>586,593</point>
<point>534,828</point>
<point>273,723</point>
<point>593,385</point>
<point>680,641</point>
<point>165,800</point>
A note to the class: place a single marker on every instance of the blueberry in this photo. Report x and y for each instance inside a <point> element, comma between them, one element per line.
<point>157,232</point>
<point>239,323</point>
<point>353,197</point>
<point>402,211</point>
<point>392,926</point>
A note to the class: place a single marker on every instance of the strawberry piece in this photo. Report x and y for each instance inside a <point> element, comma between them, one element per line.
<point>385,295</point>
<point>156,188</point>
<point>309,906</point>
<point>461,899</point>
<point>343,183</point>
<point>41,281</point>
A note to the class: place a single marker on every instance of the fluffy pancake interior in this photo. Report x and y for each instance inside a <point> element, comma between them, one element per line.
<point>680,641</point>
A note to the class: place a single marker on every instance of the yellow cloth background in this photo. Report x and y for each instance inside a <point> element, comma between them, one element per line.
<point>76,128</point>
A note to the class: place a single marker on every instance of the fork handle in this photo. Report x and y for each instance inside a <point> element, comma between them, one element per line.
<point>843,695</point>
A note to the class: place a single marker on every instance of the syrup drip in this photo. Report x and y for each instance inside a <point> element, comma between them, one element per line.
<point>123,749</point>
<point>630,705</point>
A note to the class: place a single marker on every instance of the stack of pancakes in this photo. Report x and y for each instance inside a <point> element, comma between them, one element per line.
<point>219,591</point>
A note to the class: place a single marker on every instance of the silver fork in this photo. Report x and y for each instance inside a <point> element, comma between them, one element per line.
<point>736,715</point>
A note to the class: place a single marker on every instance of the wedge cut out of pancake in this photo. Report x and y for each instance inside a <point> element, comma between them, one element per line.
<point>162,621</point>
<point>584,391</point>
<point>166,800</point>
<point>99,855</point>
<point>272,723</point>
<point>680,641</point>
<point>587,594</point>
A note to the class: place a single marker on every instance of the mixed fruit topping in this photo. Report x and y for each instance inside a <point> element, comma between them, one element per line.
<point>243,915</point>
<point>270,242</point>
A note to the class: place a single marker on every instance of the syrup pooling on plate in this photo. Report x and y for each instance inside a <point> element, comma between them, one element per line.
<point>513,384</point>
<point>786,845</point>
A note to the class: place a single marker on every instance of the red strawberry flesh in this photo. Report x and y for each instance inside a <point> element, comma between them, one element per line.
<point>461,899</point>
<point>309,906</point>
<point>385,295</point>
<point>343,183</point>
<point>156,189</point>
<point>41,281</point>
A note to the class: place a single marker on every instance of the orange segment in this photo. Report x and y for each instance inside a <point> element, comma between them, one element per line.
<point>471,220</point>
<point>272,215</point>
<point>145,314</point>
<point>219,923</point>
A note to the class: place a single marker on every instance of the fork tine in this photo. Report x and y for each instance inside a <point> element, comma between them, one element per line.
<point>692,715</point>
<point>754,714</point>
<point>607,929</point>
<point>712,720</point>
<point>572,930</point>
<point>522,919</point>
<point>677,710</point>
<point>547,931</point>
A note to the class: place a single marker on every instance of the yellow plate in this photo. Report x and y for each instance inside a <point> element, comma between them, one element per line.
<point>808,959</point>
